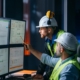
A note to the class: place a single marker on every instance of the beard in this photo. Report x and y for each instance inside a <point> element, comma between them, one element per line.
<point>58,53</point>
<point>42,36</point>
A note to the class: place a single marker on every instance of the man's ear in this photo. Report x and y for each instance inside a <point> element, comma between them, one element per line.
<point>49,30</point>
<point>62,49</point>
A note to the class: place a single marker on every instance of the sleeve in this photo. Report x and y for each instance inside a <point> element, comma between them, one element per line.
<point>68,76</point>
<point>46,59</point>
<point>69,73</point>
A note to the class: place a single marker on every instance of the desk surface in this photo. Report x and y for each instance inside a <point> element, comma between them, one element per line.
<point>20,73</point>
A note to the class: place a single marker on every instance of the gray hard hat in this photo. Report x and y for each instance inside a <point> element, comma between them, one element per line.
<point>68,40</point>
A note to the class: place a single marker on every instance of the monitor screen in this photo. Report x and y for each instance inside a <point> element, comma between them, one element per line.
<point>16,58</point>
<point>4,31</point>
<point>3,61</point>
<point>17,32</point>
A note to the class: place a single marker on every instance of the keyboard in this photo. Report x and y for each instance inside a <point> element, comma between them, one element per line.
<point>15,78</point>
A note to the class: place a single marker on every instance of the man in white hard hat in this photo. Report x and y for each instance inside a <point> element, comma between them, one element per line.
<point>66,67</point>
<point>48,29</point>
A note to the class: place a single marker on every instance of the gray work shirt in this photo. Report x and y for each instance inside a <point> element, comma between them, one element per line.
<point>70,72</point>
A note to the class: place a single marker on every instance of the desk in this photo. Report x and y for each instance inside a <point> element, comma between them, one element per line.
<point>21,73</point>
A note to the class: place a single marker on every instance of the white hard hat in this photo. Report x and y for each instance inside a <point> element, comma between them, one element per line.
<point>68,40</point>
<point>44,21</point>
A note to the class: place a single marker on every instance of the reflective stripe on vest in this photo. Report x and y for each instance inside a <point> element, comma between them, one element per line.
<point>54,45</point>
<point>58,68</point>
<point>49,47</point>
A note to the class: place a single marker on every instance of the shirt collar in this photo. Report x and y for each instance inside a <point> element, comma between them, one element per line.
<point>70,58</point>
<point>50,41</point>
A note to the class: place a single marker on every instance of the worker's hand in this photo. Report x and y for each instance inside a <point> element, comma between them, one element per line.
<point>33,51</point>
<point>27,46</point>
<point>37,76</point>
<point>33,74</point>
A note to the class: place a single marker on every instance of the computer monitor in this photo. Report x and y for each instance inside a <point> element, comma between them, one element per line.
<point>4,31</point>
<point>3,61</point>
<point>17,32</point>
<point>16,59</point>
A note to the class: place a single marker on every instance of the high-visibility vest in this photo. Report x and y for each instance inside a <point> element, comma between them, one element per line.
<point>58,68</point>
<point>53,50</point>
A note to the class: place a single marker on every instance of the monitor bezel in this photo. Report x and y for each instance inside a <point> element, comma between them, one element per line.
<point>10,72</point>
<point>4,47</point>
<point>10,31</point>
